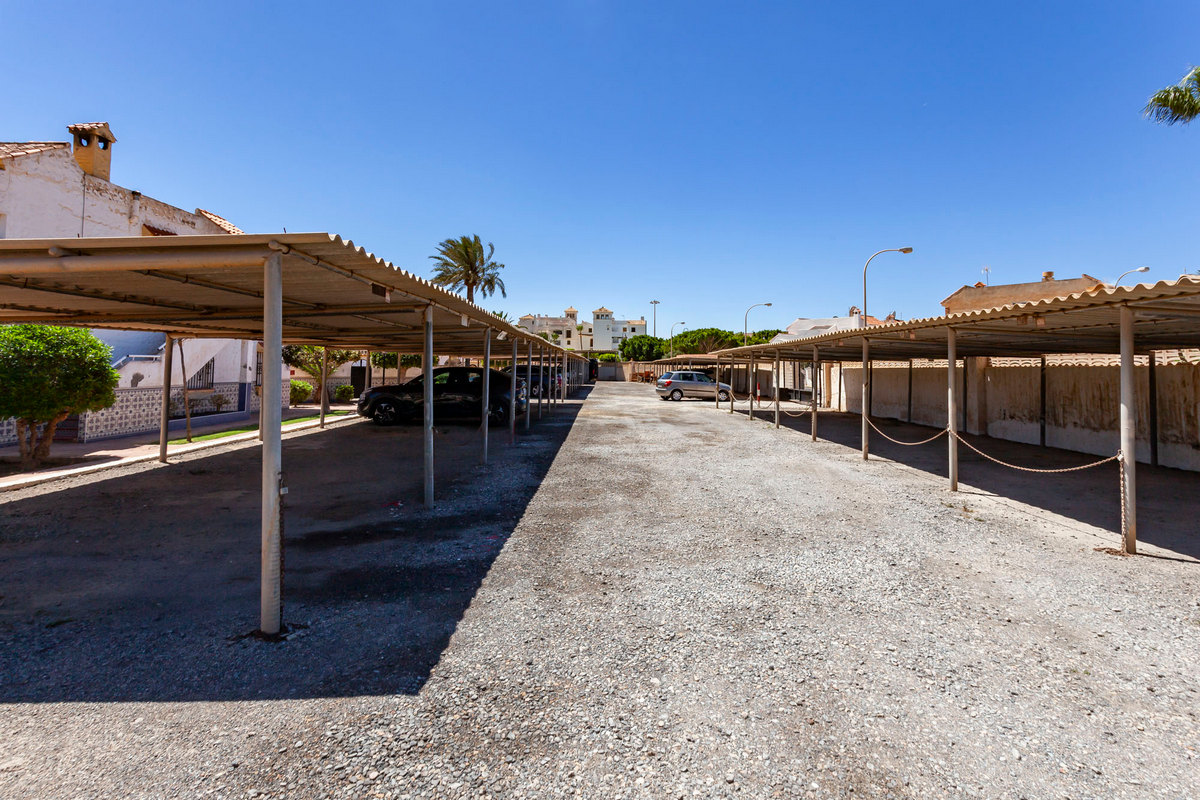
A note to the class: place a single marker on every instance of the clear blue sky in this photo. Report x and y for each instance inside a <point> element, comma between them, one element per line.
<point>708,155</point>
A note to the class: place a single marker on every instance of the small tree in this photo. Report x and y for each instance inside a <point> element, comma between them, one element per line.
<point>48,373</point>
<point>308,357</point>
<point>643,348</point>
<point>386,361</point>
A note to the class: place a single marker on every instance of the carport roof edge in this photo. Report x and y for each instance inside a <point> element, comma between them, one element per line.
<point>336,293</point>
<point>1166,316</point>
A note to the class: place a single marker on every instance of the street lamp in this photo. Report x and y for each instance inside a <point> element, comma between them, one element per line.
<point>673,337</point>
<point>654,304</point>
<point>746,323</point>
<point>1117,282</point>
<point>862,323</point>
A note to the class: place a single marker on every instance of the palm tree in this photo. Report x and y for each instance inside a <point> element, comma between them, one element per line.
<point>1178,103</point>
<point>462,263</point>
<point>502,315</point>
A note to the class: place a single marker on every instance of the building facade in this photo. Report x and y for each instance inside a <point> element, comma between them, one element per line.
<point>603,333</point>
<point>63,189</point>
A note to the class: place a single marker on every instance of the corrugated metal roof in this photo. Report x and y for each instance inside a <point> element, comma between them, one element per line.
<point>335,292</point>
<point>1167,317</point>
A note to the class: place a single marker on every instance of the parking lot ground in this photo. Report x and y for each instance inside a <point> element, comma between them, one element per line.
<point>641,599</point>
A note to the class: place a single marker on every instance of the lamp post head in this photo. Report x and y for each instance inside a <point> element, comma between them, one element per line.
<point>766,304</point>
<point>1142,269</point>
<point>905,249</point>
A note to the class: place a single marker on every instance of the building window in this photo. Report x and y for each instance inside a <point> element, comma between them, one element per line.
<point>203,379</point>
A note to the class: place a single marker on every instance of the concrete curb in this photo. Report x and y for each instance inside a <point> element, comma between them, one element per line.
<point>24,481</point>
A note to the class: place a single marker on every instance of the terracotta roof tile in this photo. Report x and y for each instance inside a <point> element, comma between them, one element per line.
<point>92,127</point>
<point>14,149</point>
<point>220,221</point>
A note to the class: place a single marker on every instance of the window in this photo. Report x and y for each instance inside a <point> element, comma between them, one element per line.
<point>203,379</point>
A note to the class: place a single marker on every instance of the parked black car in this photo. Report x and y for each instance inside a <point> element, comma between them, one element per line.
<point>538,387</point>
<point>457,394</point>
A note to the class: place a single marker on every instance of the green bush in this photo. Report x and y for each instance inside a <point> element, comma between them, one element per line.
<point>343,393</point>
<point>607,357</point>
<point>300,391</point>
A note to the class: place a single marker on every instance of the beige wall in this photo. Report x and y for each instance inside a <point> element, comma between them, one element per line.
<point>1082,404</point>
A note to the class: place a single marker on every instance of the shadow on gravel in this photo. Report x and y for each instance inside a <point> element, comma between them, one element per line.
<point>1168,499</point>
<point>144,587</point>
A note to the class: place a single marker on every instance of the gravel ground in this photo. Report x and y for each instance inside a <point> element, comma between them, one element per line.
<point>671,602</point>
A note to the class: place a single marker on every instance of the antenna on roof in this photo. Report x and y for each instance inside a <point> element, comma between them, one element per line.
<point>987,274</point>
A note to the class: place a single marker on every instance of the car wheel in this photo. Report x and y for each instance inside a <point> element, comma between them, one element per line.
<point>385,413</point>
<point>500,414</point>
<point>723,396</point>
<point>677,395</point>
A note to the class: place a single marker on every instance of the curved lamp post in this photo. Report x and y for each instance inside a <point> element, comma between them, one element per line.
<point>862,323</point>
<point>654,305</point>
<point>673,337</point>
<point>1117,282</point>
<point>746,323</point>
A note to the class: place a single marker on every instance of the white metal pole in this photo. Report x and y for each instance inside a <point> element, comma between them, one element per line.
<point>751,383</point>
<point>543,383</point>
<point>486,400</point>
<point>813,390</point>
<point>529,386</point>
<point>952,403</point>
<point>1128,429</point>
<point>512,398</point>
<point>324,386</point>
<point>427,371</point>
<point>165,418</point>
<point>775,379</point>
<point>270,611</point>
<point>866,357</point>
<point>717,388</point>
<point>732,367</point>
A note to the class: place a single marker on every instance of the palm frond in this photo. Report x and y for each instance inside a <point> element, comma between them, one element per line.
<point>1178,103</point>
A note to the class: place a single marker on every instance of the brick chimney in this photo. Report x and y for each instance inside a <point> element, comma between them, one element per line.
<point>93,143</point>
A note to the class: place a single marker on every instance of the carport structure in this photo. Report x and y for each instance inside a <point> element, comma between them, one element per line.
<point>1129,321</point>
<point>298,288</point>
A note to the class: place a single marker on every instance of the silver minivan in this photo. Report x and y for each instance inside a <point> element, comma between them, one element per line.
<point>688,383</point>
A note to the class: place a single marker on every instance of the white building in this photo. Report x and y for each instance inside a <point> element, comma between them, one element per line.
<point>602,333</point>
<point>62,189</point>
<point>606,333</point>
<point>563,331</point>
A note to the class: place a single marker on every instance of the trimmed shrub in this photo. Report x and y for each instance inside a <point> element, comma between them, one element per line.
<point>300,391</point>
<point>343,393</point>
<point>607,357</point>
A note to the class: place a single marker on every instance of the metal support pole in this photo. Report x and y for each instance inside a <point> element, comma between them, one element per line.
<point>543,383</point>
<point>486,399</point>
<point>1128,430</point>
<point>751,383</point>
<point>816,362</point>
<point>512,398</point>
<point>324,388</point>
<point>271,596</point>
<point>1042,406</point>
<point>775,379</point>
<point>910,377</point>
<point>866,357</point>
<point>427,371</point>
<point>370,370</point>
<point>164,423</point>
<point>952,403</point>
<point>717,388</point>
<point>1153,386</point>
<point>529,385</point>
<point>732,367</point>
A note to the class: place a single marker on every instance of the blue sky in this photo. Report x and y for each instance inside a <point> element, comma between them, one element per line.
<point>708,155</point>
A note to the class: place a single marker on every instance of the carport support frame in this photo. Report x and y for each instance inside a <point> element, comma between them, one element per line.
<point>813,390</point>
<point>952,405</point>
<point>271,602</point>
<point>1128,431</point>
<point>486,397</point>
<point>427,371</point>
<point>529,385</point>
<point>775,388</point>
<point>866,388</point>
<point>164,423</point>
<point>324,385</point>
<point>512,398</point>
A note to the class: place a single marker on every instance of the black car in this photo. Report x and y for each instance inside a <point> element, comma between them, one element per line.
<point>457,394</point>
<point>541,378</point>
